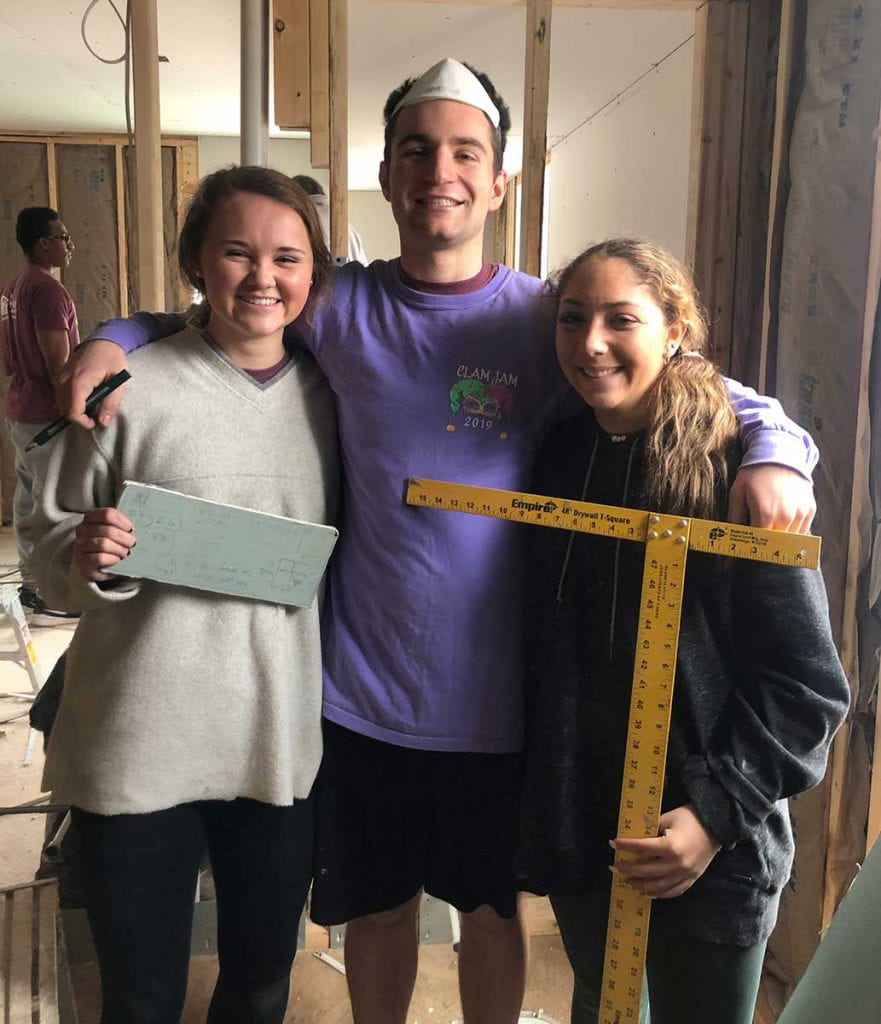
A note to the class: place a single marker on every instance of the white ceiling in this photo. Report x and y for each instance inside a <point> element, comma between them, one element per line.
<point>51,82</point>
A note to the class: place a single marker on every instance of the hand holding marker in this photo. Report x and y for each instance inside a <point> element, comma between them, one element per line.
<point>94,399</point>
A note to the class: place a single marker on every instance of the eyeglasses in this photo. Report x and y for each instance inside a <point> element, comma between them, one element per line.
<point>60,238</point>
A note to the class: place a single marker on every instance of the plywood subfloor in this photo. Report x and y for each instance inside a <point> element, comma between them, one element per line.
<point>318,992</point>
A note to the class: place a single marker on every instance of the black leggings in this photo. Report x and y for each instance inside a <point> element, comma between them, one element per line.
<point>690,981</point>
<point>139,878</point>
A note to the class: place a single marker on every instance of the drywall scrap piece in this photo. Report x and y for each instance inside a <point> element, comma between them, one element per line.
<point>843,976</point>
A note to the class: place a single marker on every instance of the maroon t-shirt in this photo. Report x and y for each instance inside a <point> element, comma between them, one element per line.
<point>262,376</point>
<point>32,299</point>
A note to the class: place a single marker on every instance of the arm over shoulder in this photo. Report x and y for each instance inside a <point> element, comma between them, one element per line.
<point>768,434</point>
<point>138,330</point>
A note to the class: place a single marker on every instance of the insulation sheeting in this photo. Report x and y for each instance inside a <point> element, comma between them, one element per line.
<point>825,255</point>
<point>24,181</point>
<point>820,365</point>
<point>87,196</point>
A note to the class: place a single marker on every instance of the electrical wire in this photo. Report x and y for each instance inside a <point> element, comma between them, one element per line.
<point>620,93</point>
<point>126,183</point>
<point>97,56</point>
<point>125,59</point>
<point>126,23</point>
<point>128,70</point>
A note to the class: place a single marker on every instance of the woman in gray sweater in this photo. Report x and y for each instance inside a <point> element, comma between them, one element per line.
<point>191,719</point>
<point>759,688</point>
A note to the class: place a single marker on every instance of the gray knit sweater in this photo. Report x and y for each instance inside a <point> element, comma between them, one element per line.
<point>171,694</point>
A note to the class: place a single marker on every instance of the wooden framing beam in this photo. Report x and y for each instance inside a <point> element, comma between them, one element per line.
<point>535,131</point>
<point>640,5</point>
<point>510,209</point>
<point>859,553</point>
<point>121,222</point>
<point>714,172</point>
<point>748,360</point>
<point>148,154</point>
<point>187,171</point>
<point>186,177</point>
<point>338,49</point>
<point>319,84</point>
<point>52,170</point>
<point>52,176</point>
<point>290,52</point>
<point>87,139</point>
<point>784,109</point>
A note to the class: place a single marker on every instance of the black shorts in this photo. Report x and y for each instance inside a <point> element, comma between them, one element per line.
<point>392,820</point>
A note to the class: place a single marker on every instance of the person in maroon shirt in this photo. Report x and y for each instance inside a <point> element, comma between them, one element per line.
<point>38,331</point>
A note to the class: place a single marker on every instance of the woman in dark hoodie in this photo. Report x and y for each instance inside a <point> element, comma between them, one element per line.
<point>759,687</point>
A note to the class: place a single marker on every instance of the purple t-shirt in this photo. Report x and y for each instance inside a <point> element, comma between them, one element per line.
<point>422,627</point>
<point>32,299</point>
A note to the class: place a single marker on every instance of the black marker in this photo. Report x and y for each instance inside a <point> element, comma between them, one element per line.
<point>96,397</point>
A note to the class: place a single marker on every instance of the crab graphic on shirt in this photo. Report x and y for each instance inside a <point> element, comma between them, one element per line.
<point>477,405</point>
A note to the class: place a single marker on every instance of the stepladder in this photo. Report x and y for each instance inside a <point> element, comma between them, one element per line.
<point>23,653</point>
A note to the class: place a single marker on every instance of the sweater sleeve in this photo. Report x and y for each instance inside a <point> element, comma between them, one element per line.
<point>790,696</point>
<point>79,476</point>
<point>138,330</point>
<point>767,434</point>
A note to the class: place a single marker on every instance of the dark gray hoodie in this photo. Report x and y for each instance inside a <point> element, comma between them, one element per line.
<point>759,694</point>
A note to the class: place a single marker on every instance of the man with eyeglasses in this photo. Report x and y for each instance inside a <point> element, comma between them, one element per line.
<point>38,330</point>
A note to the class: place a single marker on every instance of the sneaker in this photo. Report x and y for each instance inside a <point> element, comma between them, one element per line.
<point>36,608</point>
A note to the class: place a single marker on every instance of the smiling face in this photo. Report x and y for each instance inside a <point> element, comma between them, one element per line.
<point>440,178</point>
<point>256,264</point>
<point>612,341</point>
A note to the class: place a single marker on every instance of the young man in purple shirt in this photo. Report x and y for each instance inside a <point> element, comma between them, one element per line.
<point>442,367</point>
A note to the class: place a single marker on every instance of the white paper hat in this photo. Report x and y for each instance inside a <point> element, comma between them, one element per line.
<point>450,80</point>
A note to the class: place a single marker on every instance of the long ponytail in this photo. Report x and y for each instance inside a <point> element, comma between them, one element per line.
<point>690,439</point>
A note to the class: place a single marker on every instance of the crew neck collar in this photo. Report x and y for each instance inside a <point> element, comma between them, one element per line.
<point>473,284</point>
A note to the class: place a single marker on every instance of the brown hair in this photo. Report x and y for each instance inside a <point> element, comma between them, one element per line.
<point>691,440</point>
<point>216,188</point>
